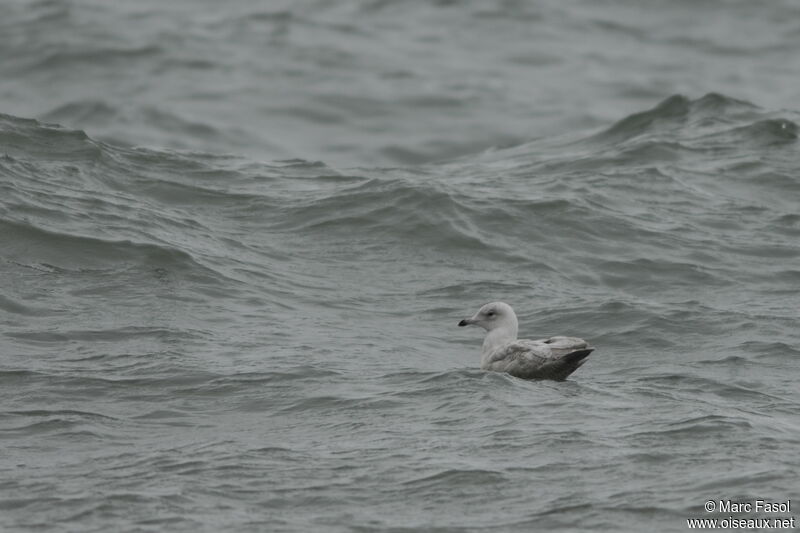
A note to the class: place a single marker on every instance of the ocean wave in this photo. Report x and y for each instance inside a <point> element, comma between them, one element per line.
<point>26,242</point>
<point>432,208</point>
<point>678,113</point>
<point>30,139</point>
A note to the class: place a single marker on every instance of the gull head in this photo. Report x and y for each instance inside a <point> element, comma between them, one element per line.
<point>495,315</point>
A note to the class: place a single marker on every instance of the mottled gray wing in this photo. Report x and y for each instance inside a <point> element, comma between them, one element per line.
<point>552,358</point>
<point>560,346</point>
<point>521,352</point>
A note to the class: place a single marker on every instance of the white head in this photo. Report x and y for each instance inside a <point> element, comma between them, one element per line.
<point>499,320</point>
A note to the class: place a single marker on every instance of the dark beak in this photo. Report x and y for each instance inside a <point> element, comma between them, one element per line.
<point>463,323</point>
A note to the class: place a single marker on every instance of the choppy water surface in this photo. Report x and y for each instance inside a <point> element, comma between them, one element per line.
<point>231,277</point>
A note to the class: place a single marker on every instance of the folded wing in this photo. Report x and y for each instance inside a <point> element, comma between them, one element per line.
<point>551,358</point>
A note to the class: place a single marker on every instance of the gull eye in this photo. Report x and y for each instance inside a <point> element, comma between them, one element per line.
<point>490,314</point>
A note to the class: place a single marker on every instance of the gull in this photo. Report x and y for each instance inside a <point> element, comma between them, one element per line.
<point>552,358</point>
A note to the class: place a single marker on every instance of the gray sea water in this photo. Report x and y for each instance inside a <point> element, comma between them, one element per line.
<point>236,239</point>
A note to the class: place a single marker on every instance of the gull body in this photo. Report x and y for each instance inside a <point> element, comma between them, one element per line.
<point>550,358</point>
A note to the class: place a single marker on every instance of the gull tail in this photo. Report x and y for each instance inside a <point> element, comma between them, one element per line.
<point>569,363</point>
<point>578,357</point>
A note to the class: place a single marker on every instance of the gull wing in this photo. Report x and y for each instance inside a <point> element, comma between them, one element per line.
<point>551,358</point>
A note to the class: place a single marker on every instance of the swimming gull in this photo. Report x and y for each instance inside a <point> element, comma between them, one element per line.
<point>552,358</point>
